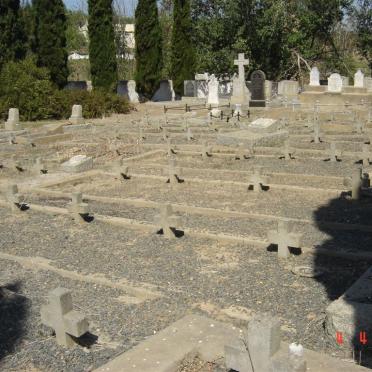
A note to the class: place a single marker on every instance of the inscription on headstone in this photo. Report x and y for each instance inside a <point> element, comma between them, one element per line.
<point>258,87</point>
<point>335,83</point>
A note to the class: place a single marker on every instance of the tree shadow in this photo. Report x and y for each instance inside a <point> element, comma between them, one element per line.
<point>339,274</point>
<point>13,315</point>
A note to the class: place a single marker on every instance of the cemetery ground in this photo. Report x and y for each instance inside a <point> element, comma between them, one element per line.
<point>130,280</point>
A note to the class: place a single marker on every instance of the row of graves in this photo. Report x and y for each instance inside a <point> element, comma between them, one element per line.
<point>210,237</point>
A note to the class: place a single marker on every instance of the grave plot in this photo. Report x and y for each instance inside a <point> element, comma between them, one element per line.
<point>163,227</point>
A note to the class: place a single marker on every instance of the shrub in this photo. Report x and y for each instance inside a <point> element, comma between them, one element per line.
<point>28,87</point>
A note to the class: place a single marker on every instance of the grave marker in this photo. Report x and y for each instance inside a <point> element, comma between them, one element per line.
<point>166,221</point>
<point>335,83</point>
<point>189,134</point>
<point>13,124</point>
<point>314,77</point>
<point>284,239</point>
<point>257,180</point>
<point>334,154</point>
<point>13,198</point>
<point>172,171</point>
<point>77,208</point>
<point>366,154</point>
<point>258,88</point>
<point>76,117</point>
<point>287,151</point>
<point>39,167</point>
<point>359,79</point>
<point>206,150</point>
<point>60,316</point>
<point>213,89</point>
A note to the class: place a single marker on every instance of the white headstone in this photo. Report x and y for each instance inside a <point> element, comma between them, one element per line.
<point>335,83</point>
<point>288,88</point>
<point>204,76</point>
<point>132,94</point>
<point>12,123</point>
<point>77,115</point>
<point>359,79</point>
<point>314,77</point>
<point>345,81</point>
<point>213,88</point>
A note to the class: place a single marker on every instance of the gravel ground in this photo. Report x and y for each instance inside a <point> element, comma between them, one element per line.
<point>183,275</point>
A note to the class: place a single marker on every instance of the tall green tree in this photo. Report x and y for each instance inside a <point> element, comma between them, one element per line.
<point>363,23</point>
<point>102,48</point>
<point>13,40</point>
<point>183,56</point>
<point>149,55</point>
<point>50,38</point>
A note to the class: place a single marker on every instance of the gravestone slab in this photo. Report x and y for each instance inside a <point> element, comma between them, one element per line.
<point>77,115</point>
<point>190,88</point>
<point>133,96</point>
<point>352,312</point>
<point>165,92</point>
<point>314,77</point>
<point>265,125</point>
<point>213,90</point>
<point>201,89</point>
<point>368,84</point>
<point>288,88</point>
<point>345,81</point>
<point>13,124</point>
<point>77,164</point>
<point>335,83</point>
<point>258,89</point>
<point>359,79</point>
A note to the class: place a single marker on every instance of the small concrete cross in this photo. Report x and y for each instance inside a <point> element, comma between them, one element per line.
<point>172,171</point>
<point>287,151</point>
<point>189,134</point>
<point>77,208</point>
<point>39,167</point>
<point>60,316</point>
<point>165,134</point>
<point>366,154</point>
<point>359,126</point>
<point>122,170</point>
<point>241,62</point>
<point>355,182</point>
<point>206,150</point>
<point>257,180</point>
<point>284,239</point>
<point>241,152</point>
<point>14,199</point>
<point>316,130</point>
<point>166,221</point>
<point>170,149</point>
<point>334,154</point>
<point>12,140</point>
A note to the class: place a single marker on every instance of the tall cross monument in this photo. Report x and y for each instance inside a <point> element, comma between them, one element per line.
<point>241,62</point>
<point>241,94</point>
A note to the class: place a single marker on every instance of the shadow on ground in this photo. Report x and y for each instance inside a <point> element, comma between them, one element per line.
<point>341,274</point>
<point>13,315</point>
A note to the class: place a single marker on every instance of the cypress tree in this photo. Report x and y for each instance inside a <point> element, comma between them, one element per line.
<point>183,55</point>
<point>50,39</point>
<point>13,40</point>
<point>149,56</point>
<point>102,49</point>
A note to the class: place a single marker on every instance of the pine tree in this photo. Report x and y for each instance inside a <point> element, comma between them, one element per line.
<point>13,40</point>
<point>50,39</point>
<point>102,49</point>
<point>149,56</point>
<point>183,56</point>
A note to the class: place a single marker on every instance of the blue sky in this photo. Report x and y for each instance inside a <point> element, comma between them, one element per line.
<point>128,5</point>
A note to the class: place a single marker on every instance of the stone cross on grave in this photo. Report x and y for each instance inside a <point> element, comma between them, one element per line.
<point>165,134</point>
<point>241,62</point>
<point>206,150</point>
<point>60,316</point>
<point>166,221</point>
<point>189,134</point>
<point>172,172</point>
<point>77,208</point>
<point>366,154</point>
<point>122,170</point>
<point>284,239</point>
<point>39,167</point>
<point>170,149</point>
<point>316,128</point>
<point>257,180</point>
<point>287,151</point>
<point>334,154</point>
<point>355,182</point>
<point>14,199</point>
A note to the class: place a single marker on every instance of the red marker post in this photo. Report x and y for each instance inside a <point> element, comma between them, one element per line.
<point>339,338</point>
<point>363,338</point>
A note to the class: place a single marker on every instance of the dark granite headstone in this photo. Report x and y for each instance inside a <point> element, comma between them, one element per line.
<point>258,89</point>
<point>76,85</point>
<point>190,88</point>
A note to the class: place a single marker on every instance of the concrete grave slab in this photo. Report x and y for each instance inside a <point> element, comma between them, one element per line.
<point>265,125</point>
<point>77,164</point>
